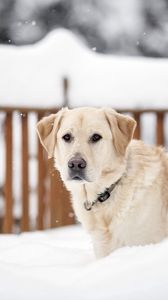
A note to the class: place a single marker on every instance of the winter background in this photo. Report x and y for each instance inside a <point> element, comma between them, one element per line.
<point>114,52</point>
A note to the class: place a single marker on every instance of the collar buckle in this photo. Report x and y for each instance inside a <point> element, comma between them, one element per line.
<point>104,196</point>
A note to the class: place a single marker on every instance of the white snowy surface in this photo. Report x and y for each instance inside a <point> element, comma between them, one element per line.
<point>59,264</point>
<point>32,75</point>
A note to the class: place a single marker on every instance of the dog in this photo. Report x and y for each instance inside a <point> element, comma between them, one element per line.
<point>119,185</point>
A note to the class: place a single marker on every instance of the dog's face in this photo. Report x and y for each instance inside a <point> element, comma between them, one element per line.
<point>86,143</point>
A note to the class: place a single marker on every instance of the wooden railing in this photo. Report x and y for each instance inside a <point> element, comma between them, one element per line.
<point>160,130</point>
<point>53,205</point>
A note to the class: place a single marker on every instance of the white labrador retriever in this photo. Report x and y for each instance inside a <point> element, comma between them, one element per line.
<point>119,186</point>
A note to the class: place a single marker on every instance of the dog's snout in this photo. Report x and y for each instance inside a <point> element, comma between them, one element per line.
<point>77,164</point>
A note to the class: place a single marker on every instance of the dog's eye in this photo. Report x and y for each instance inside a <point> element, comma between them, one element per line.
<point>67,137</point>
<point>95,138</point>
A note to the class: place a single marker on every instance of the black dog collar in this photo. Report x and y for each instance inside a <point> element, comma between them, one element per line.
<point>101,197</point>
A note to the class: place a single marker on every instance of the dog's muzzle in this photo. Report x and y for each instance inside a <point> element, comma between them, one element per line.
<point>76,167</point>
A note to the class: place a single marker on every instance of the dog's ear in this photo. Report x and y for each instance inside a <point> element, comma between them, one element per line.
<point>47,130</point>
<point>122,128</point>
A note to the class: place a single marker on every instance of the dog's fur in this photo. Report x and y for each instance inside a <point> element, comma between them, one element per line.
<point>137,211</point>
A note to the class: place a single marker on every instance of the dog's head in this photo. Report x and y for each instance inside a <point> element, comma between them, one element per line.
<point>86,143</point>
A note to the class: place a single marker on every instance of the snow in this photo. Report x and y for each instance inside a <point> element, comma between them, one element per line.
<point>32,75</point>
<point>59,264</point>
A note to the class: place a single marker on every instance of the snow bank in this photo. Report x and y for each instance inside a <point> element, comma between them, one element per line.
<point>59,264</point>
<point>32,75</point>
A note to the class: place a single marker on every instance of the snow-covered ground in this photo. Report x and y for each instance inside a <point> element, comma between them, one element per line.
<point>32,75</point>
<point>59,264</point>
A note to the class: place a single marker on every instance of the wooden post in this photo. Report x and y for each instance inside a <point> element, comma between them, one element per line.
<point>55,198</point>
<point>61,212</point>
<point>160,128</point>
<point>8,217</point>
<point>65,92</point>
<point>25,184</point>
<point>137,133</point>
<point>41,184</point>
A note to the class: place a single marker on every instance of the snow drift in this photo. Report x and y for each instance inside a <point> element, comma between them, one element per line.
<point>59,264</point>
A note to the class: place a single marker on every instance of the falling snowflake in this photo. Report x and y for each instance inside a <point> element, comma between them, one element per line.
<point>33,23</point>
<point>71,215</point>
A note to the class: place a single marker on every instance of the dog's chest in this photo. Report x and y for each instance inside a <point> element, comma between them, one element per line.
<point>124,220</point>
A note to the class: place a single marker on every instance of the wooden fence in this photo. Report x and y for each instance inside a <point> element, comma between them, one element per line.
<point>53,205</point>
<point>160,130</point>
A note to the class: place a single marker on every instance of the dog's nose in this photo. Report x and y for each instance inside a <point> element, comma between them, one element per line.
<point>76,164</point>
